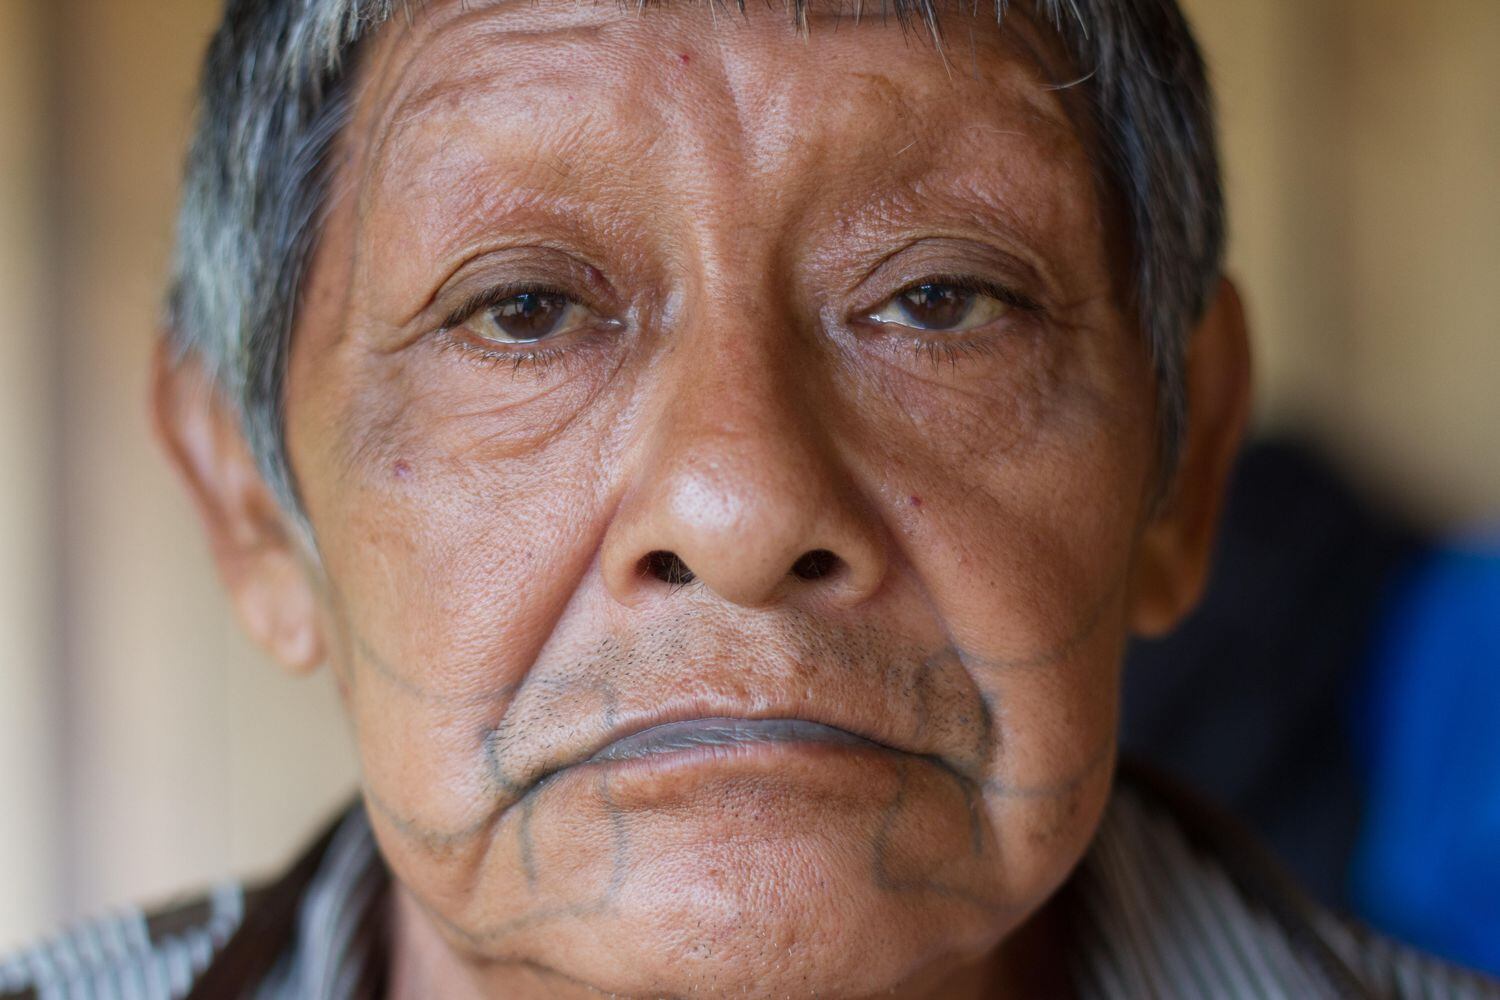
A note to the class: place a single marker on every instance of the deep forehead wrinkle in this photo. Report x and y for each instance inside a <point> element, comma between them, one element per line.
<point>888,139</point>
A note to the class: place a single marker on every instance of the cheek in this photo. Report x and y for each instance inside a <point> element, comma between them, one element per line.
<point>451,543</point>
<point>1017,504</point>
<point>456,511</point>
<point>1031,482</point>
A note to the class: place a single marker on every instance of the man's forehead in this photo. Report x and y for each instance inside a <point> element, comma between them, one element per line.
<point>450,49</point>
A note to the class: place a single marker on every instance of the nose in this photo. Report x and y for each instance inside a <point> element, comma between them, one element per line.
<point>739,487</point>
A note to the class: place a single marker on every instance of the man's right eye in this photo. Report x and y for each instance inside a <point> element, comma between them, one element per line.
<point>528,317</point>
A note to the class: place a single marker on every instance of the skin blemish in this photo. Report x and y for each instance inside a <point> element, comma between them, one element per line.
<point>914,501</point>
<point>402,469</point>
<point>684,58</point>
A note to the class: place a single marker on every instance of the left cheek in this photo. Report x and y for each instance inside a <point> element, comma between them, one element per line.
<point>1024,546</point>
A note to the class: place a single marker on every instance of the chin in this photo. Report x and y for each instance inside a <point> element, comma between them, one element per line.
<point>796,917</point>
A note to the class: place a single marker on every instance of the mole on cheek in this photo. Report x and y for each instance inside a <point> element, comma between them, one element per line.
<point>915,501</point>
<point>402,469</point>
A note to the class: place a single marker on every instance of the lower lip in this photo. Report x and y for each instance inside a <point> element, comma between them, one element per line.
<point>780,764</point>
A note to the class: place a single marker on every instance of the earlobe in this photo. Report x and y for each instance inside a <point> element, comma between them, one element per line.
<point>253,546</point>
<point>1176,547</point>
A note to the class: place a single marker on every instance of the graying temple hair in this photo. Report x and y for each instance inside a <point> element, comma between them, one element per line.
<point>275,94</point>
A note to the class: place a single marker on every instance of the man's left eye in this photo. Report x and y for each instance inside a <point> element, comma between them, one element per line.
<point>940,308</point>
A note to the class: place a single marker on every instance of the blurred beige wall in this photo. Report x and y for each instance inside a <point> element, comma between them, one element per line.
<point>145,748</point>
<point>1362,157</point>
<point>29,697</point>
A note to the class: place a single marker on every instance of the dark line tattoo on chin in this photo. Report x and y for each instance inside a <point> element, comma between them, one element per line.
<point>1103,756</point>
<point>485,938</point>
<point>1060,791</point>
<point>887,880</point>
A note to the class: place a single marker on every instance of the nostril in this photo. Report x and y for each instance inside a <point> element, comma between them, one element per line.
<point>816,564</point>
<point>667,567</point>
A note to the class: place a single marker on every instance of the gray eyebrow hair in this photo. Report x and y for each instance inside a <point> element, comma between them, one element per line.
<point>275,94</point>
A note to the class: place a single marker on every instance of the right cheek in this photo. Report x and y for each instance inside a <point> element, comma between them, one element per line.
<point>439,615</point>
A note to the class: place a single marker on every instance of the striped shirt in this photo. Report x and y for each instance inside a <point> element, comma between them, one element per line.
<point>1172,900</point>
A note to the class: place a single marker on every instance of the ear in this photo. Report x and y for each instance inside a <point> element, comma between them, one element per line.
<point>1173,557</point>
<point>254,545</point>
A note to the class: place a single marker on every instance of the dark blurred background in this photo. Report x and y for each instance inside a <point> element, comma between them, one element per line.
<point>1339,688</point>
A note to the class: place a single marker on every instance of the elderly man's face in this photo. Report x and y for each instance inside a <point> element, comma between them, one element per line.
<point>730,458</point>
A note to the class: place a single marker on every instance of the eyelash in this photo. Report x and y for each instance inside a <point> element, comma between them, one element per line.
<point>951,351</point>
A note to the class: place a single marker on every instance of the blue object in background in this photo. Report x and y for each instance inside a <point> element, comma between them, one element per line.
<point>1426,866</point>
<point>1338,689</point>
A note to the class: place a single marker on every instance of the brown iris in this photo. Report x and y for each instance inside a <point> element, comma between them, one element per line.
<point>529,316</point>
<point>936,307</point>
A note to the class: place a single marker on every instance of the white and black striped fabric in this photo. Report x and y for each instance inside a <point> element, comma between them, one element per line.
<point>1174,905</point>
<point>1171,901</point>
<point>339,940</point>
<point>128,955</point>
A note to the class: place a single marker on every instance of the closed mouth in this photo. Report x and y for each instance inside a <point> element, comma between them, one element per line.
<point>718,733</point>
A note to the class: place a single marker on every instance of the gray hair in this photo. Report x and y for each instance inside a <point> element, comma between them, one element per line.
<point>275,94</point>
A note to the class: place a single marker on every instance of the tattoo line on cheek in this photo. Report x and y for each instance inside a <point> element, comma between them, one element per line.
<point>1055,655</point>
<point>970,773</point>
<point>507,791</point>
<point>401,682</point>
<point>977,665</point>
<point>981,725</point>
<point>427,837</point>
<point>1104,755</point>
<point>523,836</point>
<point>364,651</point>
<point>497,741</point>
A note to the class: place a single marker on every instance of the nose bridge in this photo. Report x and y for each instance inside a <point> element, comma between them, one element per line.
<point>739,479</point>
<point>739,406</point>
<point>745,378</point>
